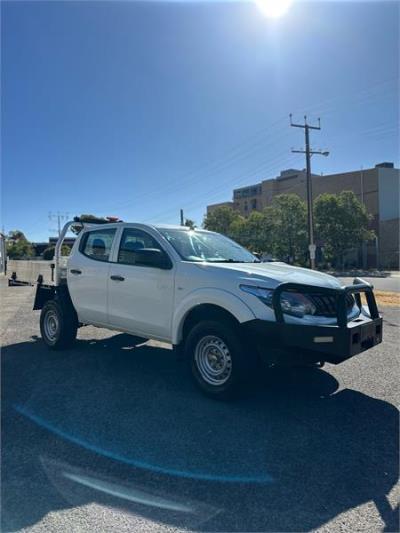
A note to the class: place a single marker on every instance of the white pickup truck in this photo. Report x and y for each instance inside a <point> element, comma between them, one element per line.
<point>206,295</point>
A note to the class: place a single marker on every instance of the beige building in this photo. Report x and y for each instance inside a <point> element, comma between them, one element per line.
<point>377,188</point>
<point>212,207</point>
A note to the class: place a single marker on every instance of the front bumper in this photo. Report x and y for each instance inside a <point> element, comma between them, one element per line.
<point>279,342</point>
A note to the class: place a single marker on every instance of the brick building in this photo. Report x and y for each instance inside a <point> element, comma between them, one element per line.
<point>377,188</point>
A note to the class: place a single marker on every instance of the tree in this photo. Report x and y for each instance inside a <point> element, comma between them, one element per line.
<point>288,221</point>
<point>341,222</point>
<point>48,254</point>
<point>238,231</point>
<point>189,223</point>
<point>18,246</point>
<point>259,230</point>
<point>221,219</point>
<point>279,229</point>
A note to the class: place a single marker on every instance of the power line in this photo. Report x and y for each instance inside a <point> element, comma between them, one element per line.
<point>210,194</point>
<point>242,151</point>
<point>239,153</point>
<point>59,217</point>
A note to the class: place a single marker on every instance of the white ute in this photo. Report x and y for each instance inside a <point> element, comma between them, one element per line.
<point>206,295</point>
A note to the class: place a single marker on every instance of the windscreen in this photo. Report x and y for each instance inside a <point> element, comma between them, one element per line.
<point>205,246</point>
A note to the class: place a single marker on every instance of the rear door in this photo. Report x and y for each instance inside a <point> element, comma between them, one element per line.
<point>88,274</point>
<point>140,298</point>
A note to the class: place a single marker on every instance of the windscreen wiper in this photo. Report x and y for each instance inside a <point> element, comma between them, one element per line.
<point>229,261</point>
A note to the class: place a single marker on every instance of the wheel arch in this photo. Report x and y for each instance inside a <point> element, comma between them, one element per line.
<point>44,293</point>
<point>209,304</point>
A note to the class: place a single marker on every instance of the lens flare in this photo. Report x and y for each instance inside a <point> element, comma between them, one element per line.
<point>273,8</point>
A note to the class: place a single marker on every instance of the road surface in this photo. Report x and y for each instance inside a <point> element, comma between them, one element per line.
<point>390,283</point>
<point>114,437</point>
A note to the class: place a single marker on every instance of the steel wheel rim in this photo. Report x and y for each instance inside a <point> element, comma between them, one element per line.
<point>51,325</point>
<point>213,360</point>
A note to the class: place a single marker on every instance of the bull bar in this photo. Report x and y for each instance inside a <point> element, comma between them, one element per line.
<point>333,343</point>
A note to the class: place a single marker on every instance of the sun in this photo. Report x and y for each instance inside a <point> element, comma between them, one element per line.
<point>274,8</point>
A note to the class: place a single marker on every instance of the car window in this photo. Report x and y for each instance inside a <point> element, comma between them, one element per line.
<point>211,247</point>
<point>97,244</point>
<point>133,240</point>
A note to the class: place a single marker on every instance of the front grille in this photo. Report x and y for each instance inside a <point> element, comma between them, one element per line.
<point>326,305</point>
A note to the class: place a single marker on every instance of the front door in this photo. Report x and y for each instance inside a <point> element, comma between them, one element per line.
<point>141,297</point>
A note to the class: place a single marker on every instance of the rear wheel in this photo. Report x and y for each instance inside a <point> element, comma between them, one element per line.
<point>219,362</point>
<point>58,324</point>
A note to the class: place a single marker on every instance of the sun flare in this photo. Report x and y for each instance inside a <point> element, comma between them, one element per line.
<point>274,8</point>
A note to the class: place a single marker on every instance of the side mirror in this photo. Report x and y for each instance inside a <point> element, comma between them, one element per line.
<point>152,257</point>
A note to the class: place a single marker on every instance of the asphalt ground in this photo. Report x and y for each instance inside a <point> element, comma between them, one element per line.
<point>389,283</point>
<point>113,436</point>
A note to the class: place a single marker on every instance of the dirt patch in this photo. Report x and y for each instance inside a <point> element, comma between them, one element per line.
<point>385,298</point>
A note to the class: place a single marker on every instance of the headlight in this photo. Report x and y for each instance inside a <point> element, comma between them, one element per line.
<point>292,303</point>
<point>297,304</point>
<point>265,295</point>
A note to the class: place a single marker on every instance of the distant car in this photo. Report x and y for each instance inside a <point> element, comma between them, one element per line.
<point>207,295</point>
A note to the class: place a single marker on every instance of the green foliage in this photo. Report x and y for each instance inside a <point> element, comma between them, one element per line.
<point>279,230</point>
<point>255,232</point>
<point>18,246</point>
<point>190,223</point>
<point>221,219</point>
<point>288,219</point>
<point>341,223</point>
<point>48,254</point>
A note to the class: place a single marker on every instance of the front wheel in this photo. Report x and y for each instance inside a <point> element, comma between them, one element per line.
<point>58,325</point>
<point>219,362</point>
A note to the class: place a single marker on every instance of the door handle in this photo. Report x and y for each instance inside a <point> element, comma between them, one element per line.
<point>75,271</point>
<point>117,278</point>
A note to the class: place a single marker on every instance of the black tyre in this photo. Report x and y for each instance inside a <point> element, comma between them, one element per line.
<point>219,362</point>
<point>58,324</point>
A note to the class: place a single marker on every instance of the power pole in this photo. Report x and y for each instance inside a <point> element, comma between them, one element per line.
<point>363,244</point>
<point>307,127</point>
<point>59,217</point>
<point>182,221</point>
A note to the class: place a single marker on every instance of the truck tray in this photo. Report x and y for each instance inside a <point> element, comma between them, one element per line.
<point>26,272</point>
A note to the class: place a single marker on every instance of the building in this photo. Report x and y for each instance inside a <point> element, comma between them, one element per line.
<point>377,188</point>
<point>40,247</point>
<point>68,241</point>
<point>212,207</point>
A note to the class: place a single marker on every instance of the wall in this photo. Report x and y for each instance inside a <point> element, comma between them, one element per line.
<point>389,244</point>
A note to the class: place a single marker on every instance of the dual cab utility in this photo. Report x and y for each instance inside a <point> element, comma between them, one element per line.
<point>206,295</point>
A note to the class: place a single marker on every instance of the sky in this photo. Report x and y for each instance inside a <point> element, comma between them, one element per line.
<point>138,109</point>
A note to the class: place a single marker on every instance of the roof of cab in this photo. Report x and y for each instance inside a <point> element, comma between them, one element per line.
<point>170,226</point>
<point>176,226</point>
<point>91,225</point>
